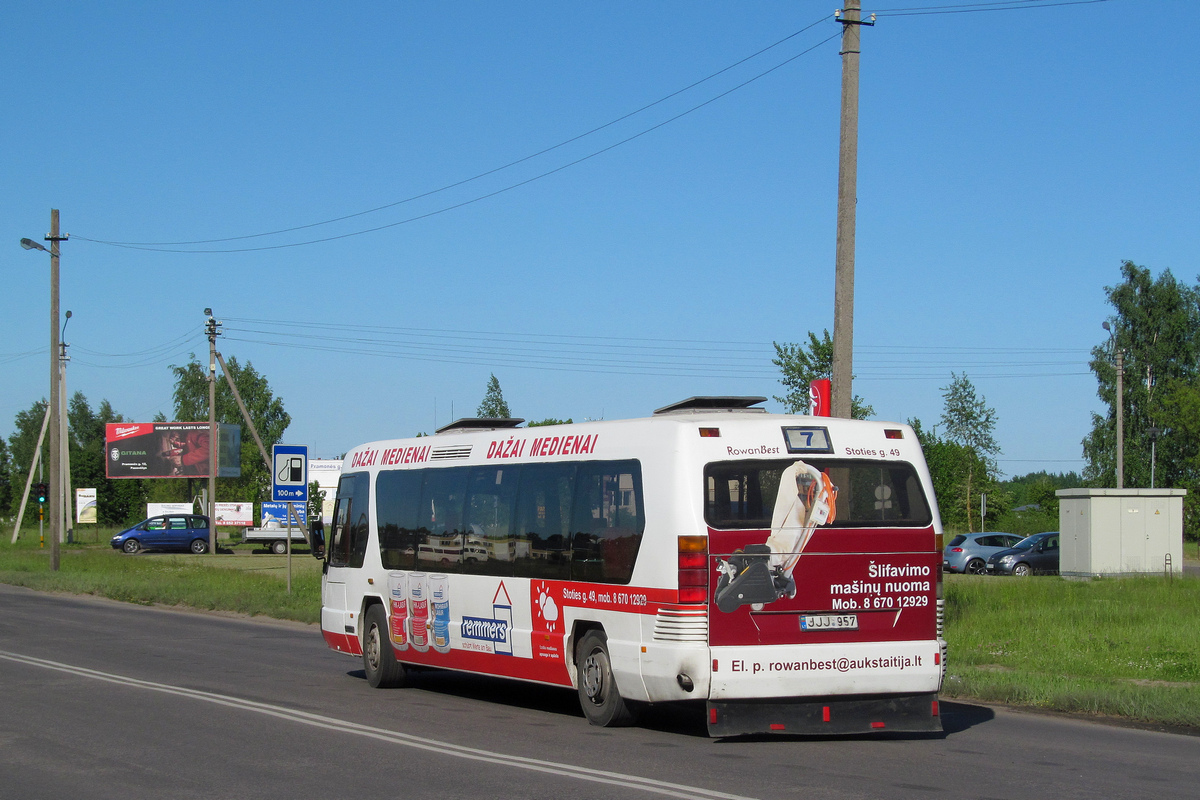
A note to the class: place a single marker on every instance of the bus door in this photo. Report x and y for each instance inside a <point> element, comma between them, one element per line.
<point>344,555</point>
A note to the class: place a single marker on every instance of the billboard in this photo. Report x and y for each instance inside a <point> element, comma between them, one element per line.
<point>159,509</point>
<point>85,506</point>
<point>170,450</point>
<point>275,515</point>
<point>325,472</point>
<point>235,514</point>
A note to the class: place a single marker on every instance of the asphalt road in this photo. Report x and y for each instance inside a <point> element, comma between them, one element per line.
<point>100,699</point>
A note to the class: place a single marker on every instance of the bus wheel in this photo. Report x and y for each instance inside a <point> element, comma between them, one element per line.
<point>602,702</point>
<point>379,659</point>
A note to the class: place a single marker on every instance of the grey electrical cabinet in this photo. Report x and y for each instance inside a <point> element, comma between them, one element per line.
<point>1120,531</point>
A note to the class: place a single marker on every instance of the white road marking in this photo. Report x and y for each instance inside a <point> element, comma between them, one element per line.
<point>382,734</point>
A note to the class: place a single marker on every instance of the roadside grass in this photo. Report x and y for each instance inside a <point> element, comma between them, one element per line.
<point>237,579</point>
<point>1127,647</point>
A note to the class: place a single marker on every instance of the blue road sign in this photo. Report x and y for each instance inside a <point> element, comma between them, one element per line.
<point>289,473</point>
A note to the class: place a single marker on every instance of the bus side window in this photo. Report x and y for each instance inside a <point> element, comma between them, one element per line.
<point>607,521</point>
<point>338,551</point>
<point>440,537</point>
<point>397,501</point>
<point>542,533</point>
<point>488,545</point>
<point>351,523</point>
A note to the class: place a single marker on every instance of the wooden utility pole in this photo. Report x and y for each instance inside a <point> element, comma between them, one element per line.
<point>843,289</point>
<point>54,501</point>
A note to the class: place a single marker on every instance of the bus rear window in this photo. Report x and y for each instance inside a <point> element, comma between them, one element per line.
<point>741,494</point>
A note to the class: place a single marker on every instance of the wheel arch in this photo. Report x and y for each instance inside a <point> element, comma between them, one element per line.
<point>579,629</point>
<point>367,601</point>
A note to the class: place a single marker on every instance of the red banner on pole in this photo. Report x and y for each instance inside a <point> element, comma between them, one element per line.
<point>820,394</point>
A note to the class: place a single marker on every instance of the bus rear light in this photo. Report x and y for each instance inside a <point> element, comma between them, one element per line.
<point>693,569</point>
<point>710,433</point>
<point>937,659</point>
<point>712,716</point>
<point>778,726</point>
<point>825,714</point>
<point>877,725</point>
<point>893,433</point>
<point>934,710</point>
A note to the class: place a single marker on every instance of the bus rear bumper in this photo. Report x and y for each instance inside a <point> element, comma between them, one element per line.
<point>856,714</point>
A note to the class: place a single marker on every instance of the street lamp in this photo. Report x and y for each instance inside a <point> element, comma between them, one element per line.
<point>1120,358</point>
<point>55,403</point>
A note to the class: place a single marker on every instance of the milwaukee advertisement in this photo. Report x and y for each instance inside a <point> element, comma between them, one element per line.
<point>170,450</point>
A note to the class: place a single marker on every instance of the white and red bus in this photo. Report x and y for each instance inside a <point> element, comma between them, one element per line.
<point>783,570</point>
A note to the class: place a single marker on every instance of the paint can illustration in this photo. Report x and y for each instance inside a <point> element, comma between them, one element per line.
<point>398,591</point>
<point>418,610</point>
<point>439,598</point>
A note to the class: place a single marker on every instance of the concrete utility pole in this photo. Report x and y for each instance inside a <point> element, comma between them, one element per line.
<point>843,291</point>
<point>63,439</point>
<point>212,329</point>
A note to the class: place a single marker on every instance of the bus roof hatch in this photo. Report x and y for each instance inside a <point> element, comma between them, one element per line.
<point>697,404</point>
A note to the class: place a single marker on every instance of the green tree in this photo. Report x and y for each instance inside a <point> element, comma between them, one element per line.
<point>117,501</point>
<point>1156,326</point>
<point>21,445</point>
<point>801,366</point>
<point>265,409</point>
<point>949,465</point>
<point>6,478</point>
<point>969,422</point>
<point>493,405</point>
<point>548,421</point>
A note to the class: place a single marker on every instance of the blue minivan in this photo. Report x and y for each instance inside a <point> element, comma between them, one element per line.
<point>167,532</point>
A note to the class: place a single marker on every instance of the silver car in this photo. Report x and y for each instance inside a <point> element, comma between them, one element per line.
<point>969,552</point>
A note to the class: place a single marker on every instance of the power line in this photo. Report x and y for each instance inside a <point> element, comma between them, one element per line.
<point>494,170</point>
<point>969,8</point>
<point>471,201</point>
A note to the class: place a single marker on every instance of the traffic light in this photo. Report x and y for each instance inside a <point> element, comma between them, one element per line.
<point>41,491</point>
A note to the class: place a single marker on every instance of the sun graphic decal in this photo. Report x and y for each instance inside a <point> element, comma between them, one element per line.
<point>545,609</point>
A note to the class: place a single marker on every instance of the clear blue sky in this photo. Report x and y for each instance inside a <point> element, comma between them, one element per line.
<point>1009,161</point>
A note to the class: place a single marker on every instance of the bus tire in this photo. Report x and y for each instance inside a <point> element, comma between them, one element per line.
<point>598,694</point>
<point>279,548</point>
<point>379,658</point>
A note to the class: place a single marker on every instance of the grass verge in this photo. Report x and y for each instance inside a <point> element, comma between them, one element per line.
<point>236,579</point>
<point>1127,648</point>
